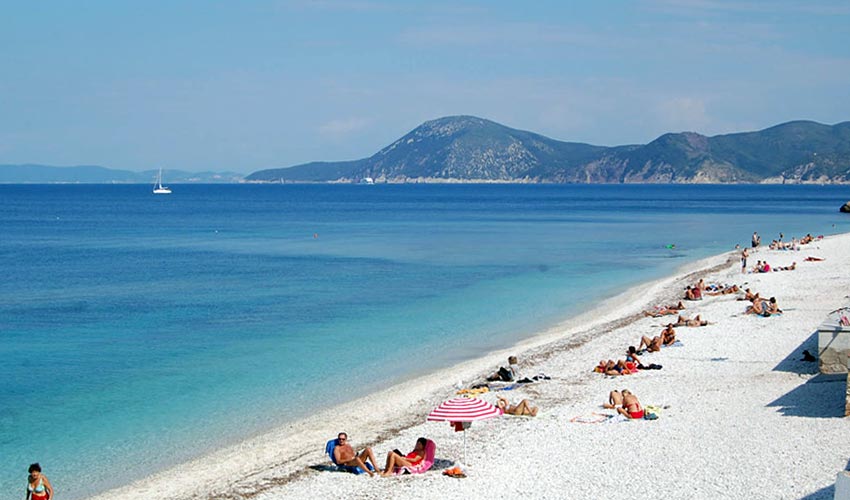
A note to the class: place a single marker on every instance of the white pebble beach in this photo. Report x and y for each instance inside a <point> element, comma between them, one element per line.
<point>743,416</point>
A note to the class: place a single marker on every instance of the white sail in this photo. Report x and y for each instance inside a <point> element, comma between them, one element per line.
<point>158,188</point>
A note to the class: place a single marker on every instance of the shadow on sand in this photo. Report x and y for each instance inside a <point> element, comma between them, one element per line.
<point>794,363</point>
<point>825,493</point>
<point>822,396</point>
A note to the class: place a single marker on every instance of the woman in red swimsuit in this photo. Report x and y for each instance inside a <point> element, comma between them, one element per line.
<point>396,460</point>
<point>631,406</point>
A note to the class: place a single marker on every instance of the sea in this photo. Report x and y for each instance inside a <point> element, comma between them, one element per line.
<point>139,331</point>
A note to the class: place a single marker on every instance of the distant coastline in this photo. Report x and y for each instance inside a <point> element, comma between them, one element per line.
<point>472,150</point>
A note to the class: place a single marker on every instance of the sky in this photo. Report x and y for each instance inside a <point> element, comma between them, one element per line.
<point>246,85</point>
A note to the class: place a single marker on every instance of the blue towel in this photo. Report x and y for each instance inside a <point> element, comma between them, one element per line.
<point>329,449</point>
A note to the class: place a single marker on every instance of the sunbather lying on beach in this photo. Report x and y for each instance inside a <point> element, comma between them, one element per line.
<point>396,460</point>
<point>615,369</point>
<point>787,268</point>
<point>724,290</point>
<point>696,321</point>
<point>813,259</point>
<point>523,408</point>
<point>748,295</point>
<point>625,403</point>
<point>344,455</point>
<point>664,310</point>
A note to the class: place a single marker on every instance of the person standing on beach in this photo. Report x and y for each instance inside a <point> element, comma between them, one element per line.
<point>344,455</point>
<point>38,486</point>
<point>756,239</point>
<point>744,256</point>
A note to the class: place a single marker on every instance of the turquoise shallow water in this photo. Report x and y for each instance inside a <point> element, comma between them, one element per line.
<point>140,331</point>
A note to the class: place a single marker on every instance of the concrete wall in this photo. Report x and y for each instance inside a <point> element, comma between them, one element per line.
<point>833,348</point>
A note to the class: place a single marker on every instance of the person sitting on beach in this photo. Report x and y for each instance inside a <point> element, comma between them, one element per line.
<point>396,460</point>
<point>625,403</point>
<point>344,455</point>
<point>506,374</point>
<point>662,310</point>
<point>765,268</point>
<point>764,307</point>
<point>666,338</point>
<point>700,285</point>
<point>693,293</point>
<point>696,321</point>
<point>523,408</point>
<point>631,356</point>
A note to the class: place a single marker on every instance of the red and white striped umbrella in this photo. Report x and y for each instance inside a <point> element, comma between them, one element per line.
<point>464,410</point>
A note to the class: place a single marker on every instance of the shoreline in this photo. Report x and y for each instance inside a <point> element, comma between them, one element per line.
<point>272,465</point>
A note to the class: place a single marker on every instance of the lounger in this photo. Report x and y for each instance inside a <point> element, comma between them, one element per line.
<point>329,449</point>
<point>424,465</point>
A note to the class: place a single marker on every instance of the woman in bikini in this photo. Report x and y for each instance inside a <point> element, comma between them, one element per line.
<point>523,408</point>
<point>395,459</point>
<point>625,403</point>
<point>631,406</point>
<point>38,486</point>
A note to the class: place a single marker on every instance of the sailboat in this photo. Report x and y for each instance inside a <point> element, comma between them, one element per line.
<point>158,188</point>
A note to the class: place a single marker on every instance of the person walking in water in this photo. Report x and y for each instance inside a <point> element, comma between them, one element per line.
<point>756,239</point>
<point>38,486</point>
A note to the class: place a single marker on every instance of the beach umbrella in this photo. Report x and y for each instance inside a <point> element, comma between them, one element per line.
<point>462,412</point>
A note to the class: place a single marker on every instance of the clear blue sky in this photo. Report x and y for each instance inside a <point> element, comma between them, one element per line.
<point>244,85</point>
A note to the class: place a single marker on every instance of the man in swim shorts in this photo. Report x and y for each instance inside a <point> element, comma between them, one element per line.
<point>344,455</point>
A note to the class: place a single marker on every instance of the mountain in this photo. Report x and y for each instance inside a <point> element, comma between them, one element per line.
<point>471,149</point>
<point>87,174</point>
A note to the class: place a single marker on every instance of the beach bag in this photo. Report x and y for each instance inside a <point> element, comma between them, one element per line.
<point>650,415</point>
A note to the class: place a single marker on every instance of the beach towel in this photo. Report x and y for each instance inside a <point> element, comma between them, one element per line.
<point>424,465</point>
<point>617,419</point>
<point>329,449</point>
<point>651,412</point>
<point>677,343</point>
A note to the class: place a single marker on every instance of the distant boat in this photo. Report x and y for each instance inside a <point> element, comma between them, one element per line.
<point>158,188</point>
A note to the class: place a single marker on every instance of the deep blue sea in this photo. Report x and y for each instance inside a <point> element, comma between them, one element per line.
<point>139,331</point>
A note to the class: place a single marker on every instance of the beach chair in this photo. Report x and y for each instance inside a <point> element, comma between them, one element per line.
<point>329,449</point>
<point>424,465</point>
